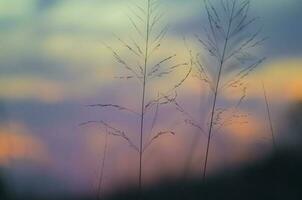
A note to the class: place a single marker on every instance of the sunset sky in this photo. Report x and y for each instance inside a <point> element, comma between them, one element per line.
<point>53,62</point>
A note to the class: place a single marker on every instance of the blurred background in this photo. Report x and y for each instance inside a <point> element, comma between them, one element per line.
<point>53,63</point>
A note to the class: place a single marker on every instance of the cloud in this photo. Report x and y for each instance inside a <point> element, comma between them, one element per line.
<point>49,91</point>
<point>282,78</point>
<point>69,47</point>
<point>17,144</point>
<point>31,88</point>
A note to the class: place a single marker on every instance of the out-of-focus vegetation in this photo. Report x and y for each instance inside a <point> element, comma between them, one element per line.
<point>278,177</point>
<point>295,123</point>
<point>2,189</point>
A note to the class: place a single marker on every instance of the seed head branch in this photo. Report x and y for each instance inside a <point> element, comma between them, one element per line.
<point>157,136</point>
<point>112,131</point>
<point>118,107</point>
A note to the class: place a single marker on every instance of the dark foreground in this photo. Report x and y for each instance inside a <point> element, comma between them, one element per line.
<point>279,177</point>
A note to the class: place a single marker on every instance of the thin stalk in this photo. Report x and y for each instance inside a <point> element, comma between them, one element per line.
<point>100,184</point>
<point>142,118</point>
<point>269,116</point>
<point>216,95</point>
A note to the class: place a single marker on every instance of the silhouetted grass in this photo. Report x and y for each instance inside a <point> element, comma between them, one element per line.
<point>228,39</point>
<point>145,20</point>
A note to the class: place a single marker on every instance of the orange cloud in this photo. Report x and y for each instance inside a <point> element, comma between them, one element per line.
<point>17,144</point>
<point>245,130</point>
<point>282,78</point>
